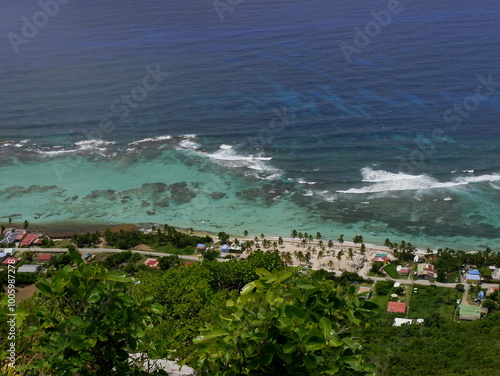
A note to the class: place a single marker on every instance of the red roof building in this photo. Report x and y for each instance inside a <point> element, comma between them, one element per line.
<point>152,263</point>
<point>11,261</point>
<point>44,257</point>
<point>426,271</point>
<point>28,240</point>
<point>396,307</point>
<point>381,259</point>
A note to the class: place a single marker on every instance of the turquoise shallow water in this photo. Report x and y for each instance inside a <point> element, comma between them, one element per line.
<point>261,123</point>
<point>163,183</point>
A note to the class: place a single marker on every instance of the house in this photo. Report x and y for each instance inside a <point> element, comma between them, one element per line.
<point>405,270</point>
<point>366,290</point>
<point>200,247</point>
<point>495,273</point>
<point>234,248</point>
<point>11,261</point>
<point>28,240</point>
<point>426,271</point>
<point>400,322</point>
<point>473,276</point>
<point>3,255</point>
<point>396,307</point>
<point>152,263</point>
<point>28,269</point>
<point>44,258</point>
<point>381,255</point>
<point>385,260</point>
<point>491,290</point>
<point>470,313</point>
<point>224,248</point>
<point>10,237</point>
<point>10,251</point>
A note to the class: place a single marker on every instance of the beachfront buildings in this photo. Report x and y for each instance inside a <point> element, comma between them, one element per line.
<point>426,271</point>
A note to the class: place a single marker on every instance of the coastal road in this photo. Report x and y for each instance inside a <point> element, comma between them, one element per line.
<point>83,251</point>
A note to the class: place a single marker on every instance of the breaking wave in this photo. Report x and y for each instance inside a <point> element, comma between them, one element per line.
<point>384,181</point>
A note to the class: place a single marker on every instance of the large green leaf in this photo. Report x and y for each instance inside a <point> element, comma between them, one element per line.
<point>44,289</point>
<point>291,310</point>
<point>77,321</point>
<point>326,326</point>
<point>315,343</point>
<point>217,332</point>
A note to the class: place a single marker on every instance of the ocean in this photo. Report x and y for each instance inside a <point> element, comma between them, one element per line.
<point>349,117</point>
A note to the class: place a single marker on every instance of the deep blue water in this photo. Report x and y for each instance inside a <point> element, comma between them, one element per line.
<point>271,79</point>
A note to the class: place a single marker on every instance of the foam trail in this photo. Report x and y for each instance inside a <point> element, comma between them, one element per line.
<point>384,181</point>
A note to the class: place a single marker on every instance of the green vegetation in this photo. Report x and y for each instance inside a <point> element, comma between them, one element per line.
<point>441,348</point>
<point>433,303</point>
<point>281,326</point>
<point>390,269</point>
<point>249,317</point>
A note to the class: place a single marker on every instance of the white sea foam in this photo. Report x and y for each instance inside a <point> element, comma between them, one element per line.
<point>189,144</point>
<point>384,181</point>
<point>154,139</point>
<point>227,156</point>
<point>99,146</point>
<point>94,145</point>
<point>308,193</point>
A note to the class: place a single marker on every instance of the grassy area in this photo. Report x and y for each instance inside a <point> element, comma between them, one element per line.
<point>430,301</point>
<point>169,248</point>
<point>60,244</point>
<point>390,269</point>
<point>381,301</point>
<point>453,277</point>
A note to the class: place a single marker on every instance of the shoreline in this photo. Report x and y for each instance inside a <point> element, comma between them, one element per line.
<point>67,228</point>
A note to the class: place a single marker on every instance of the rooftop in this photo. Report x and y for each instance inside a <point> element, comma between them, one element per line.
<point>396,307</point>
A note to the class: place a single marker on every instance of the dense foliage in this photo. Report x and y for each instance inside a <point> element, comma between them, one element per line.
<point>446,349</point>
<point>281,326</point>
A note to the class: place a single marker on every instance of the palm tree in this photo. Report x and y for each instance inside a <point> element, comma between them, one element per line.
<point>280,241</point>
<point>341,240</point>
<point>294,235</point>
<point>339,257</point>
<point>362,249</point>
<point>26,224</point>
<point>357,239</point>
<point>330,264</point>
<point>330,243</point>
<point>388,243</point>
<point>318,236</point>
<point>245,233</point>
<point>308,257</point>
